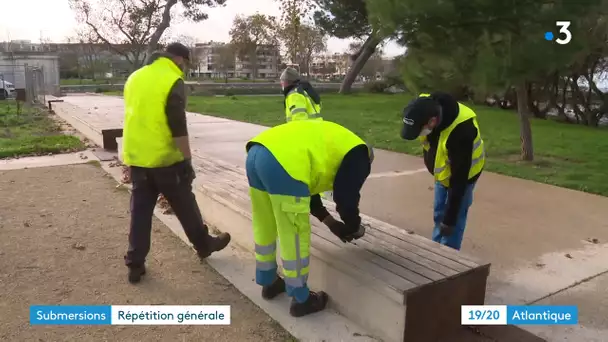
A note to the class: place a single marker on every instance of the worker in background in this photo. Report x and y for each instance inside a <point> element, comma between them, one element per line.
<point>288,166</point>
<point>453,153</point>
<point>157,150</point>
<point>302,102</point>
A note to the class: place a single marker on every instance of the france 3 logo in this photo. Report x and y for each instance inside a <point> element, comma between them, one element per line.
<point>564,35</point>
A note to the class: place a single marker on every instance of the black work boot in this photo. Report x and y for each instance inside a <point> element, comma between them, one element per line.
<point>135,274</point>
<point>316,302</point>
<point>217,244</point>
<point>276,288</point>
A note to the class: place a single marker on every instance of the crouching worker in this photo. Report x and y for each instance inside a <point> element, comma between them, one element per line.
<point>288,166</point>
<point>302,102</point>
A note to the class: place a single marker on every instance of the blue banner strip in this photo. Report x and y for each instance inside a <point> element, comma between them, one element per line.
<point>70,315</point>
<point>542,314</point>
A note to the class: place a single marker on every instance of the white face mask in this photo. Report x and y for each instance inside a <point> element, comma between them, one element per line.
<point>425,132</point>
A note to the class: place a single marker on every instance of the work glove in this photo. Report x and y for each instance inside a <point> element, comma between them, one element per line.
<point>445,230</point>
<point>342,231</point>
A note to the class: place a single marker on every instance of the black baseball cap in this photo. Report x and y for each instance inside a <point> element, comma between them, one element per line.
<point>179,49</point>
<point>417,114</point>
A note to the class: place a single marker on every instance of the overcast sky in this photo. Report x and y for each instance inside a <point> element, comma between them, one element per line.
<point>31,19</point>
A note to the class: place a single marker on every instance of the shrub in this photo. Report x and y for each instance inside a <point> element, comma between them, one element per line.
<point>394,79</point>
<point>376,86</point>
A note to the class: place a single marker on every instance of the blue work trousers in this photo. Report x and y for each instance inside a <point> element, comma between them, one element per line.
<point>441,198</point>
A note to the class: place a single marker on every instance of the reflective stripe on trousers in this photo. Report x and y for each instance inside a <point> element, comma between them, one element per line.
<point>265,258</point>
<point>296,266</point>
<point>280,208</point>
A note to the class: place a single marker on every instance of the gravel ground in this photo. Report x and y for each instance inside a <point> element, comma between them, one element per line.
<point>63,233</point>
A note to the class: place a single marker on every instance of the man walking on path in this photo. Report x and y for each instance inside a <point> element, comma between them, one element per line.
<point>157,150</point>
<point>302,102</point>
<point>453,153</point>
<point>285,165</point>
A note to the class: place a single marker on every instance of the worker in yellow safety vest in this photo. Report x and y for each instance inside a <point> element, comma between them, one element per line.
<point>288,166</point>
<point>302,102</point>
<point>453,152</point>
<point>157,151</point>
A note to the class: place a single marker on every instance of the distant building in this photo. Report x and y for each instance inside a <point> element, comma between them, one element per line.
<point>29,69</point>
<point>81,60</point>
<point>266,65</point>
<point>214,62</point>
<point>337,65</point>
<point>330,65</point>
<point>89,60</point>
<point>210,61</point>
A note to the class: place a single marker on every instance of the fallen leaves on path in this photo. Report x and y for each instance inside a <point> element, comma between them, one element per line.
<point>126,179</point>
<point>164,205</point>
<point>126,175</point>
<point>78,246</point>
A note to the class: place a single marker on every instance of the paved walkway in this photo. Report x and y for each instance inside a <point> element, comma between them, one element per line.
<point>535,235</point>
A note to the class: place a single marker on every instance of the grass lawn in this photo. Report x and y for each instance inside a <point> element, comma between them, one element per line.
<point>31,132</point>
<point>570,156</point>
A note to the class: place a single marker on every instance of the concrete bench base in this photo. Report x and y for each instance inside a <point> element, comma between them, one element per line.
<point>110,137</point>
<point>397,285</point>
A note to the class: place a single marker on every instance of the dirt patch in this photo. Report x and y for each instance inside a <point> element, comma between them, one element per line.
<point>63,233</point>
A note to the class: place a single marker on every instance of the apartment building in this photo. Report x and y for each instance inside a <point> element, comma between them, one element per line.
<point>329,65</point>
<point>211,61</point>
<point>214,62</point>
<point>265,63</point>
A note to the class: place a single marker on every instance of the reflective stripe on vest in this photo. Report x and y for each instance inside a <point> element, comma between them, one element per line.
<point>442,169</point>
<point>311,151</point>
<point>312,110</point>
<point>147,138</point>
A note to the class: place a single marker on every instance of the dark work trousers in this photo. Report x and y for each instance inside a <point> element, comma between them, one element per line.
<point>175,183</point>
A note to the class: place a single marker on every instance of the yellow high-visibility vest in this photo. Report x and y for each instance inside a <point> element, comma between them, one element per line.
<point>300,106</point>
<point>442,171</point>
<point>311,151</point>
<point>147,138</point>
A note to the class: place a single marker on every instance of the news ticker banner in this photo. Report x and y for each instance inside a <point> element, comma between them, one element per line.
<point>220,315</point>
<point>130,315</point>
<point>518,315</point>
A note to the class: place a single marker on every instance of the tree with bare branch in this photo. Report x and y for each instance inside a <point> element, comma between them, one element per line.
<point>294,14</point>
<point>374,63</point>
<point>133,28</point>
<point>313,41</point>
<point>250,33</point>
<point>226,57</point>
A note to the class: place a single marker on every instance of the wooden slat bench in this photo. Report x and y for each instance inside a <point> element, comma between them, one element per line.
<point>398,285</point>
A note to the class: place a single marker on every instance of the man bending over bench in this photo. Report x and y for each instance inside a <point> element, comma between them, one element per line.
<point>286,165</point>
